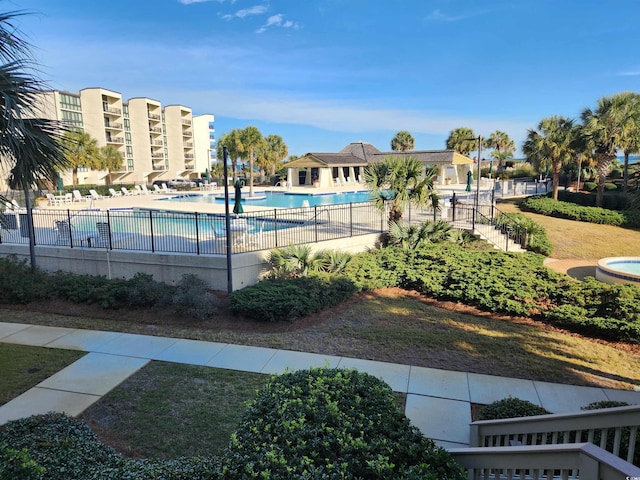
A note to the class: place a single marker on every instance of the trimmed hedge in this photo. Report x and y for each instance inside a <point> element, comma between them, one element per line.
<point>288,299</point>
<point>20,285</point>
<point>547,206</point>
<point>514,284</point>
<point>333,424</point>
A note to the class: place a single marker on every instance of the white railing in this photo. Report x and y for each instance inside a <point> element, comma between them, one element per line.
<point>593,444</point>
<point>613,429</point>
<point>583,461</point>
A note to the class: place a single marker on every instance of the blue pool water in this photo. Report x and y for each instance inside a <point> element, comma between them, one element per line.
<point>279,199</point>
<point>627,266</point>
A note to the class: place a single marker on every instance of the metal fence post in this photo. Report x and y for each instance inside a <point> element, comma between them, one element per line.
<point>197,235</point>
<point>153,248</point>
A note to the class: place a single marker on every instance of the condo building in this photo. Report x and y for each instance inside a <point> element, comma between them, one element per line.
<point>156,142</point>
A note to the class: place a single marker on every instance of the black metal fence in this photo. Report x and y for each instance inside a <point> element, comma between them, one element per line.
<point>191,232</point>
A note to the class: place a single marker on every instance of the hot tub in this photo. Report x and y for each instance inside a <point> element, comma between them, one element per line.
<point>619,270</point>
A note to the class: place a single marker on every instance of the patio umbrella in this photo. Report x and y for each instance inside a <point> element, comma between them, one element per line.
<point>237,206</point>
<point>469,181</point>
<point>60,184</point>
<point>207,175</point>
<point>490,167</point>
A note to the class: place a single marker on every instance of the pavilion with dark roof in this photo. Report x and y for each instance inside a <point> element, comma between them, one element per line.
<point>347,166</point>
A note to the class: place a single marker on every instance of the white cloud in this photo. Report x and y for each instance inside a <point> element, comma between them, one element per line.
<point>437,15</point>
<point>278,21</point>
<point>245,12</point>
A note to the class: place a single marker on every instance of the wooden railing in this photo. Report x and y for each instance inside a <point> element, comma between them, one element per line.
<point>566,446</point>
<point>583,461</point>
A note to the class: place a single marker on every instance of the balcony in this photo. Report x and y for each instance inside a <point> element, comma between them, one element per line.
<point>186,122</point>
<point>112,110</point>
<point>157,155</point>
<point>157,143</point>
<point>187,134</point>
<point>188,155</point>
<point>188,144</point>
<point>155,130</point>
<point>153,116</point>
<point>116,140</point>
<point>112,126</point>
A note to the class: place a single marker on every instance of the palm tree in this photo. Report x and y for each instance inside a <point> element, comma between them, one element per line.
<point>402,141</point>
<point>251,139</point>
<point>400,181</point>
<point>550,145</point>
<point>272,154</point>
<point>606,129</point>
<point>503,147</point>
<point>234,146</point>
<point>462,140</point>
<point>110,159</point>
<point>30,146</point>
<point>630,142</point>
<point>81,150</point>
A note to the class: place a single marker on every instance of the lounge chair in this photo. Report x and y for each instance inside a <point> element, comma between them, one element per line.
<point>165,189</point>
<point>126,192</point>
<point>68,198</point>
<point>108,238</point>
<point>95,195</point>
<point>53,201</point>
<point>156,189</point>
<point>114,194</point>
<point>256,237</point>
<point>138,190</point>
<point>144,189</point>
<point>77,196</point>
<point>68,235</point>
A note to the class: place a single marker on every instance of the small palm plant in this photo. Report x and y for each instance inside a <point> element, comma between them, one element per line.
<point>298,261</point>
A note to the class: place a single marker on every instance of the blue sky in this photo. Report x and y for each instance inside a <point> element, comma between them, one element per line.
<point>323,73</point>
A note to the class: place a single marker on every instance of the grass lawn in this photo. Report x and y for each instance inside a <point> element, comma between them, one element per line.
<point>23,367</point>
<point>167,410</point>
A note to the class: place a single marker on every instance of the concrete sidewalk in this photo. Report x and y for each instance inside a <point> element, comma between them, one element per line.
<point>438,401</point>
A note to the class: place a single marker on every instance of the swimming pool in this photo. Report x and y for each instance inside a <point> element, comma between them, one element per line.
<point>278,199</point>
<point>619,270</point>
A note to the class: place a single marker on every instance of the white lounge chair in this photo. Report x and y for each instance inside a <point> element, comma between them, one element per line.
<point>156,189</point>
<point>166,189</point>
<point>95,195</point>
<point>53,201</point>
<point>114,194</point>
<point>138,190</point>
<point>144,190</point>
<point>68,198</point>
<point>126,192</point>
<point>77,196</point>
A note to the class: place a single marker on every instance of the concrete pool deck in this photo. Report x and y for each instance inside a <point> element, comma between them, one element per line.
<point>438,401</point>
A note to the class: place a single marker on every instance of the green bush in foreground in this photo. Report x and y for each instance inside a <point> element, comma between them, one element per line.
<point>17,464</point>
<point>537,240</point>
<point>288,299</point>
<point>333,424</point>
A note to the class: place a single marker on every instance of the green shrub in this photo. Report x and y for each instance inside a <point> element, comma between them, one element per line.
<point>192,298</point>
<point>547,206</point>
<point>331,423</point>
<point>610,186</point>
<point>67,449</point>
<point>17,464</point>
<point>590,186</point>
<point>510,407</point>
<point>288,299</point>
<point>19,284</point>
<point>536,237</point>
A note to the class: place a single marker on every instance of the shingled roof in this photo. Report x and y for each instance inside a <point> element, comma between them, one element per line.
<point>363,153</point>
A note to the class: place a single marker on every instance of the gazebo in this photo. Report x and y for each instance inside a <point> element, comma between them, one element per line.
<point>347,166</point>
